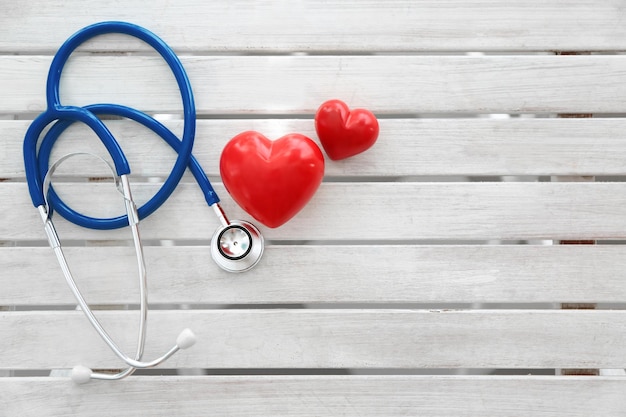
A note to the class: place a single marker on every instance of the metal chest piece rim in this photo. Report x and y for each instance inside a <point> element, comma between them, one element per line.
<point>237,247</point>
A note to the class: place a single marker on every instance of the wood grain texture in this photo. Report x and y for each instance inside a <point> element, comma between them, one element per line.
<point>322,26</point>
<point>252,85</point>
<point>405,147</point>
<point>335,338</point>
<point>268,66</point>
<point>324,274</point>
<point>357,211</point>
<point>350,396</point>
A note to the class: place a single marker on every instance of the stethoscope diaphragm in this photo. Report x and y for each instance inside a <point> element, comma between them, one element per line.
<point>237,247</point>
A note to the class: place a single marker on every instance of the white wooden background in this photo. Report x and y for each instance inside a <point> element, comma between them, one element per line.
<point>421,278</point>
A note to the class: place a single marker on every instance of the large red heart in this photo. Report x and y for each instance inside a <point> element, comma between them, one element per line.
<point>271,180</point>
<point>345,133</point>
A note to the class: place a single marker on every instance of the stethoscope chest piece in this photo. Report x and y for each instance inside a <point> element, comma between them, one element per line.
<point>237,247</point>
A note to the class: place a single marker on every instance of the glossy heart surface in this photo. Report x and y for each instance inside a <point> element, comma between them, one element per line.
<point>271,180</point>
<point>343,132</point>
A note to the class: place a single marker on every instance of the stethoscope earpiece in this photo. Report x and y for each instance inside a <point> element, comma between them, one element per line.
<point>237,247</point>
<point>81,374</point>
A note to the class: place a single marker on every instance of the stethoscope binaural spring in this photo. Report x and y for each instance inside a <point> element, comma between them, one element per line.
<point>236,245</point>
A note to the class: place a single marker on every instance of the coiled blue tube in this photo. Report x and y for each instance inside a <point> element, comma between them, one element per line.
<point>36,162</point>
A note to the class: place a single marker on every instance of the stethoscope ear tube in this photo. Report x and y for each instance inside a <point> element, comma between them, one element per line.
<point>237,246</point>
<point>38,174</point>
<point>184,340</point>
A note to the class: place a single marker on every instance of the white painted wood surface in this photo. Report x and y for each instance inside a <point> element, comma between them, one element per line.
<point>405,84</point>
<point>465,146</point>
<point>327,274</point>
<point>366,211</point>
<point>329,26</point>
<point>402,264</point>
<point>308,396</point>
<point>322,338</point>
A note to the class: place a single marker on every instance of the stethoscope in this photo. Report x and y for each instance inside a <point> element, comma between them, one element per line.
<point>236,245</point>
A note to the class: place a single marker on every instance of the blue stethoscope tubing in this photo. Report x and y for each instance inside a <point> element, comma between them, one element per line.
<point>36,162</point>
<point>236,246</point>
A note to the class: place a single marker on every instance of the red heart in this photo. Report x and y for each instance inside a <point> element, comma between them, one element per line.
<point>271,180</point>
<point>344,133</point>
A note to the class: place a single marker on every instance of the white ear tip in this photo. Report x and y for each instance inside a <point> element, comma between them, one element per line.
<point>81,374</point>
<point>186,339</point>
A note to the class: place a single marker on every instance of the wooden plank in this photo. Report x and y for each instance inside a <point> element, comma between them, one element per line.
<point>299,84</point>
<point>335,338</point>
<point>325,274</point>
<point>357,211</point>
<point>314,26</point>
<point>587,306</point>
<point>308,396</point>
<point>406,147</point>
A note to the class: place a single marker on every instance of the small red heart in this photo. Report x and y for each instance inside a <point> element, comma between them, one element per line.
<point>345,133</point>
<point>271,180</point>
